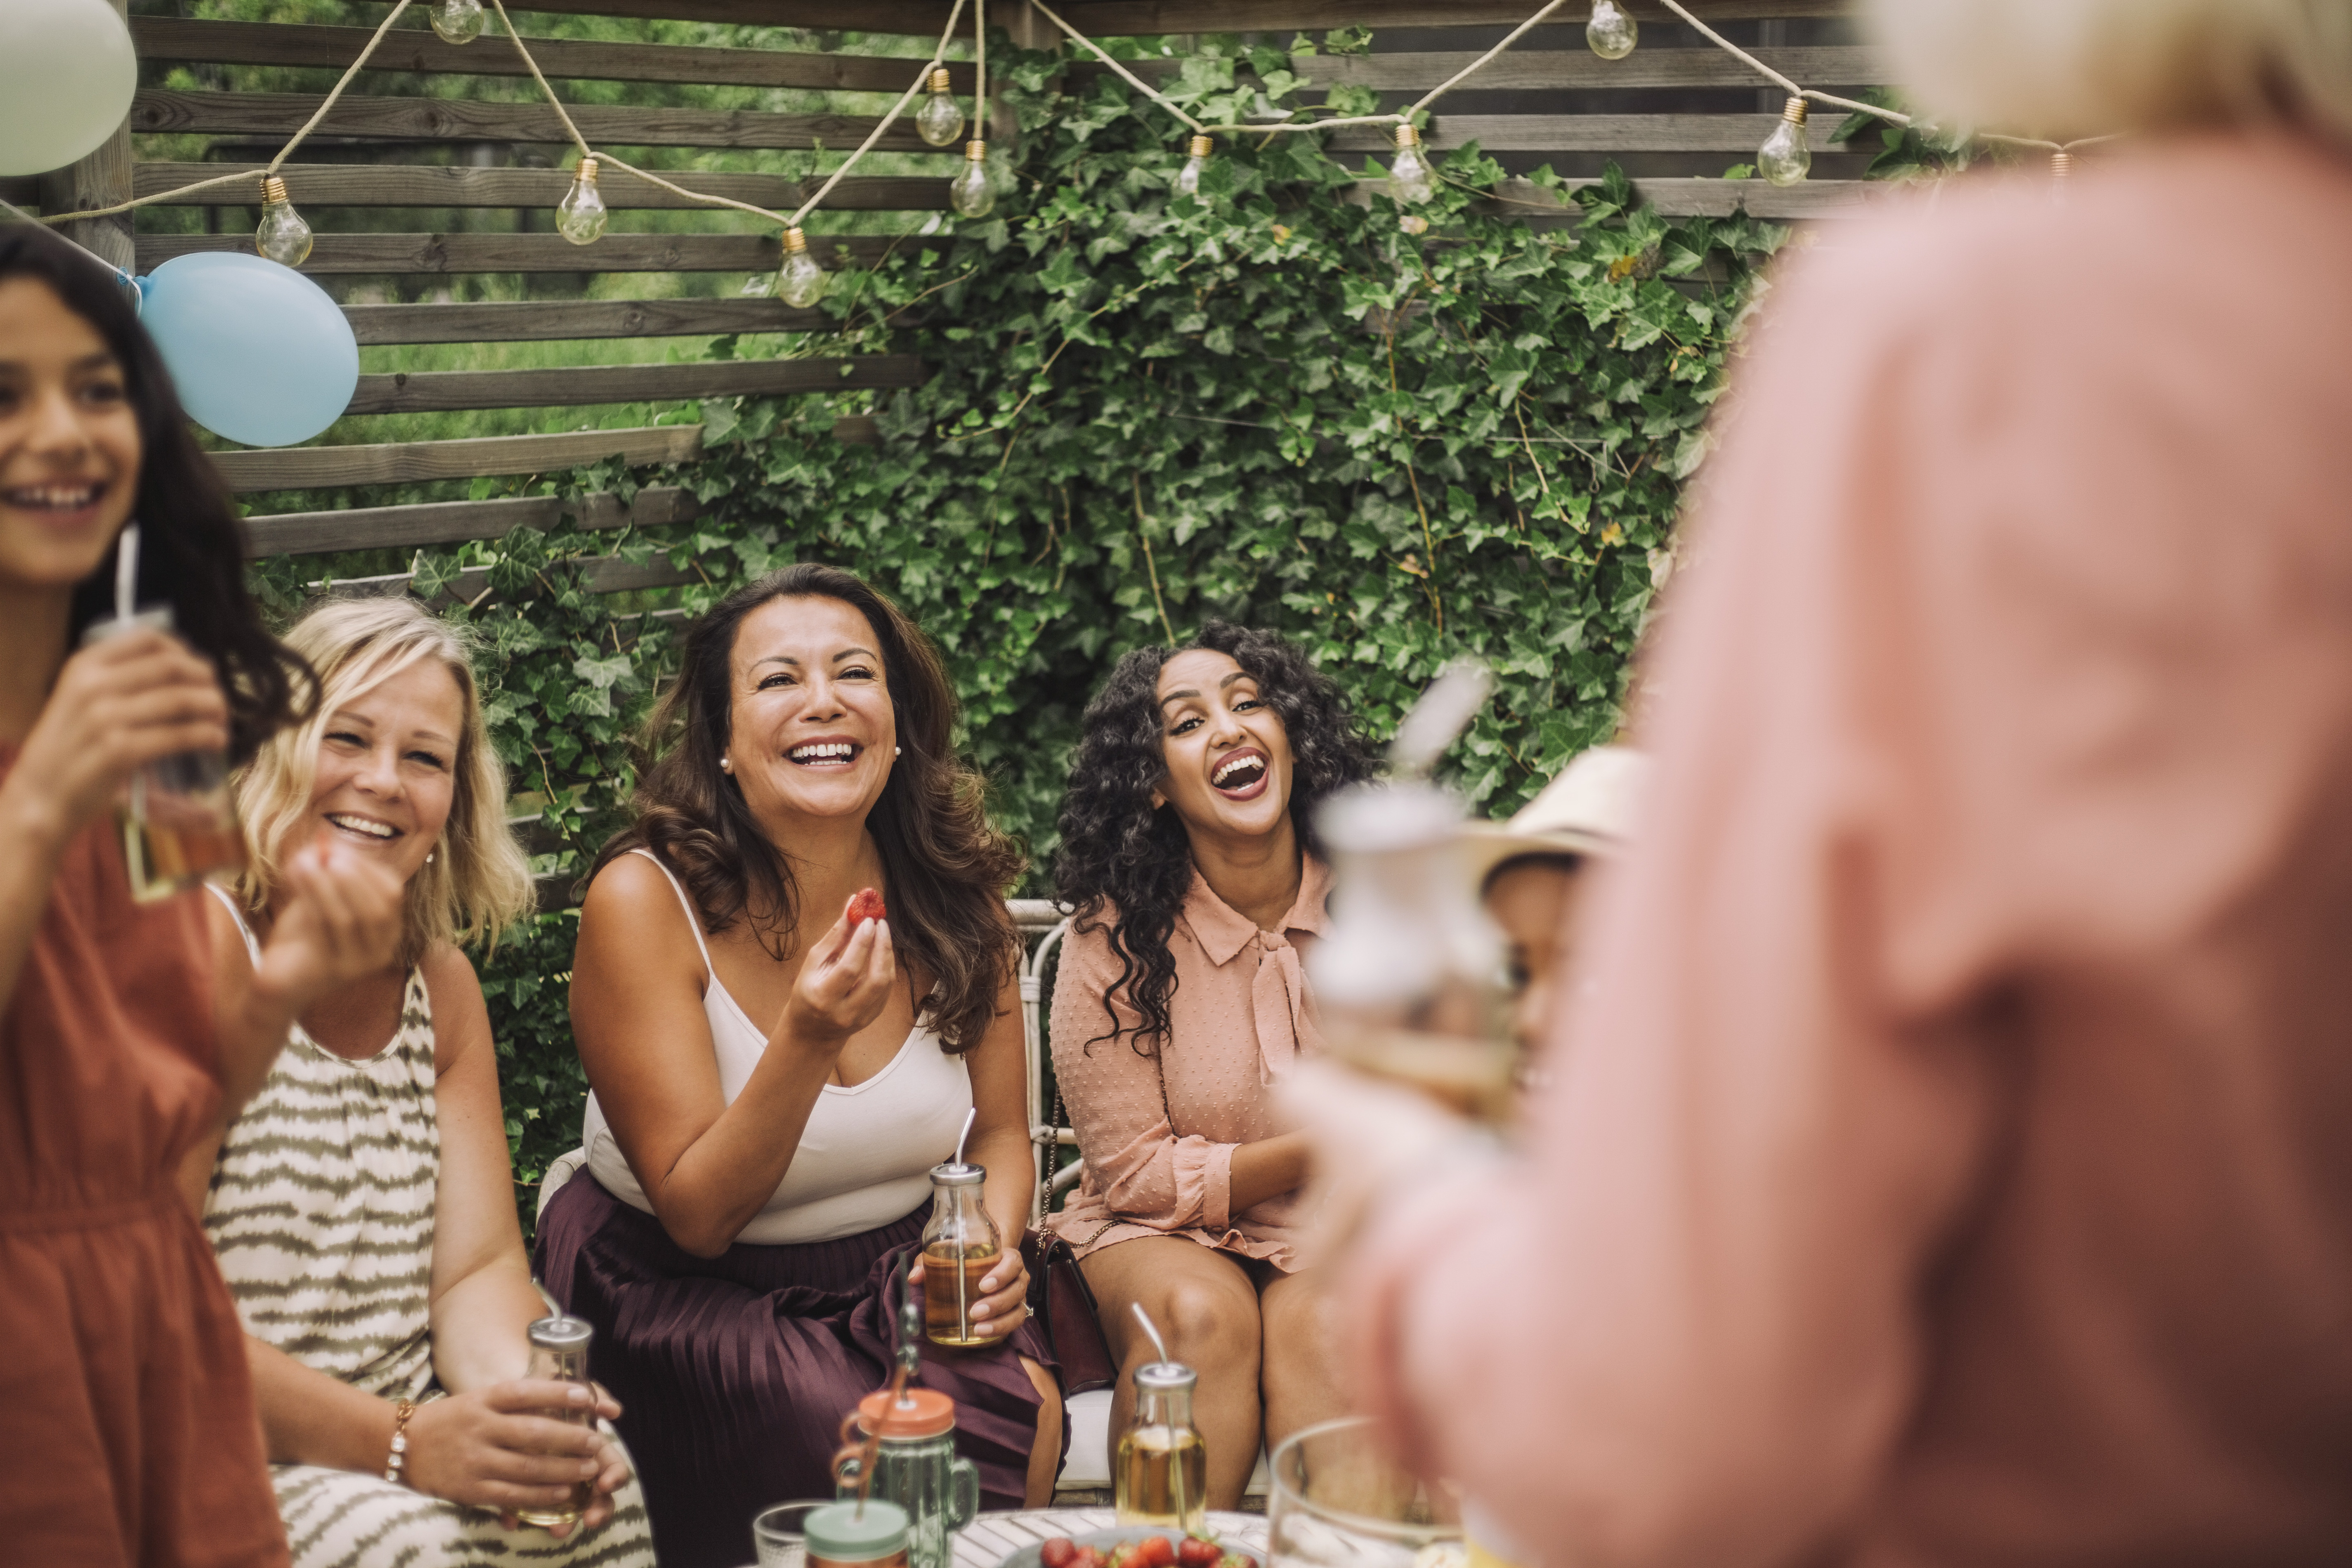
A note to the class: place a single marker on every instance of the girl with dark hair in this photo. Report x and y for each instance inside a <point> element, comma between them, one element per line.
<point>1189,850</point>
<point>130,1435</point>
<point>774,1076</point>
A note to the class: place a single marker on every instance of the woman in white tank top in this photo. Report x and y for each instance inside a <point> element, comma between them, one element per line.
<point>773,1078</point>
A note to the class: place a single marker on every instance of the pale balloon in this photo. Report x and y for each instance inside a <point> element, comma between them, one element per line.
<point>66,74</point>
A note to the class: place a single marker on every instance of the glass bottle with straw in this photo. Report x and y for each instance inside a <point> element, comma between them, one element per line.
<point>1410,975</point>
<point>961,1245</point>
<point>1162,1474</point>
<point>179,817</point>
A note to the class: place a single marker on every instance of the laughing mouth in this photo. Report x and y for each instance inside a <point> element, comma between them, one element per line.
<point>364,826</point>
<point>53,498</point>
<point>1239,771</point>
<point>825,754</point>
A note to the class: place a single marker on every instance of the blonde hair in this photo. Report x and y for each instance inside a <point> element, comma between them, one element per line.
<point>478,883</point>
<point>2067,69</point>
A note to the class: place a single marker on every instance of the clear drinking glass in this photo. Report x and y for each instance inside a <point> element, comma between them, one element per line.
<point>559,1351</point>
<point>1338,1503</point>
<point>780,1534</point>
<point>179,815</point>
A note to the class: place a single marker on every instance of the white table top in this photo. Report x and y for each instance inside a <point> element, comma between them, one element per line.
<point>993,1537</point>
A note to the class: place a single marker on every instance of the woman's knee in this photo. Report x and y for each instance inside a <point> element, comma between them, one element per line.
<point>1211,1323</point>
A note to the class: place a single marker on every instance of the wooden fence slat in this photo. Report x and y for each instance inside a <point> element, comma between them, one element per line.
<point>289,44</point>
<point>155,110</point>
<point>567,387</point>
<point>459,186</point>
<point>1596,133</point>
<point>533,320</point>
<point>1582,70</point>
<point>412,462</point>
<point>369,253</point>
<point>451,522</point>
<point>1693,197</point>
<point>1110,18</point>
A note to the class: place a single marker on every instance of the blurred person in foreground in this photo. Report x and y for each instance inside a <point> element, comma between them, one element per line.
<point>1533,872</point>
<point>1952,1167</point>
<point>127,1426</point>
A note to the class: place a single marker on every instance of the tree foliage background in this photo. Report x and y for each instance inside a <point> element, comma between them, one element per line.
<point>1396,438</point>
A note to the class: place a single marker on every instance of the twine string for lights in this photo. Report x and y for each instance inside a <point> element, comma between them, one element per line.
<point>980,51</point>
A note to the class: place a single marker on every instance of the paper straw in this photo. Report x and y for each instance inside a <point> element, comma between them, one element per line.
<point>126,572</point>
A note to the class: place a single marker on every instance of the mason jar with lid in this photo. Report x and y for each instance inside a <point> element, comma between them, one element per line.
<point>916,1467</point>
<point>872,1534</point>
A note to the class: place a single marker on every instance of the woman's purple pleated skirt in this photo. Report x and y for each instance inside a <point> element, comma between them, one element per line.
<point>733,1373</point>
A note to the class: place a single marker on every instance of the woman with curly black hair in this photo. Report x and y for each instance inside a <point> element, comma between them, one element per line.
<point>1188,850</point>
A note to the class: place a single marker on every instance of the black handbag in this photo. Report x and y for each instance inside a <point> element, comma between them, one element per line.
<point>1063,1305</point>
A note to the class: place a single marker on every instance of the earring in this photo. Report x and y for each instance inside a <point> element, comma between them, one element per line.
<point>898,750</point>
<point>428,857</point>
<point>726,764</point>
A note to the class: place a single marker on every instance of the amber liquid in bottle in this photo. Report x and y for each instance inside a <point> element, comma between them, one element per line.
<point>951,1290</point>
<point>165,857</point>
<point>1162,1478</point>
<point>583,1492</point>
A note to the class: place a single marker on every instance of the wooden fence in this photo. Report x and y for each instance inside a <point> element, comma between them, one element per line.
<point>1675,112</point>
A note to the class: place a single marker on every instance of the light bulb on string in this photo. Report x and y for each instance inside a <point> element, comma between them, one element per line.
<point>1411,179</point>
<point>969,192</point>
<point>580,216</point>
<point>1785,159</point>
<point>459,21</point>
<point>1612,32</point>
<point>941,120</point>
<point>800,283</point>
<point>282,237</point>
<point>1187,178</point>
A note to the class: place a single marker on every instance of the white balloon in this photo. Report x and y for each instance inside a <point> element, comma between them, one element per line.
<point>66,74</point>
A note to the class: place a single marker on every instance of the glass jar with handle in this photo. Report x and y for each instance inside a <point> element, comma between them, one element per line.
<point>916,1468</point>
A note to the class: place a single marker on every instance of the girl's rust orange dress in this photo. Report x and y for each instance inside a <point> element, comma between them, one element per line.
<point>128,1433</point>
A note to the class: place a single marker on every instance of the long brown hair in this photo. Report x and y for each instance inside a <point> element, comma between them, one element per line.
<point>946,867</point>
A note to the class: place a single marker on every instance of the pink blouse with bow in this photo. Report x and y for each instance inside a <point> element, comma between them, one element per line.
<point>1158,1132</point>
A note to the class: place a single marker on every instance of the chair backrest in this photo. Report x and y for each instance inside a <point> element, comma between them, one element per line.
<point>1048,923</point>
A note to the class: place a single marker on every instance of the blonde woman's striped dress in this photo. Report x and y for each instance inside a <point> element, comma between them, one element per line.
<point>320,1212</point>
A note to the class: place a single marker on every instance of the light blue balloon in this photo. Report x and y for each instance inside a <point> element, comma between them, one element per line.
<point>259,353</point>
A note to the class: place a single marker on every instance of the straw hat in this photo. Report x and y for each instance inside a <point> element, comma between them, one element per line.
<point>1590,809</point>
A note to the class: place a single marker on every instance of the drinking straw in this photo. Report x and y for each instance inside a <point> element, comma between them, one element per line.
<point>126,571</point>
<point>968,1118</point>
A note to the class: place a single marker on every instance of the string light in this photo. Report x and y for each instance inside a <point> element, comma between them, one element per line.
<point>1611,34</point>
<point>1411,180</point>
<point>800,281</point>
<point>282,237</point>
<point>1785,159</point>
<point>459,21</point>
<point>969,192</point>
<point>1187,178</point>
<point>941,120</point>
<point>580,216</point>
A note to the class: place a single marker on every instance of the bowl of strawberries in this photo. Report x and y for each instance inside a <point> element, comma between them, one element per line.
<point>1133,1546</point>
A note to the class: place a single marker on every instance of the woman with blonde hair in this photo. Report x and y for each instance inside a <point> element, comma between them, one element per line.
<point>1949,1166</point>
<point>363,1206</point>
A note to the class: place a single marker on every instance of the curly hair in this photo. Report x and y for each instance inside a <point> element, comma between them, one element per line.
<point>945,869</point>
<point>191,554</point>
<point>1127,867</point>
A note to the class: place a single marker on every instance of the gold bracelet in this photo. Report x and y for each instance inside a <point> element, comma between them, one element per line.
<point>398,1462</point>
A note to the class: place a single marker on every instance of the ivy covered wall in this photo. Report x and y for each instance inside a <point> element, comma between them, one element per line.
<point>1397,440</point>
